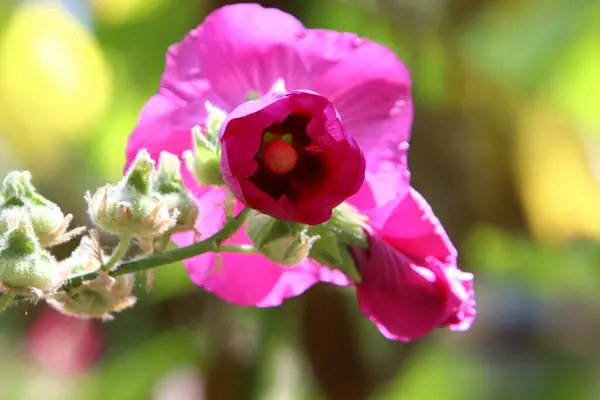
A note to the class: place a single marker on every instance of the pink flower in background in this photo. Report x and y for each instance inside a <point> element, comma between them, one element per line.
<point>410,283</point>
<point>64,344</point>
<point>245,48</point>
<point>287,155</point>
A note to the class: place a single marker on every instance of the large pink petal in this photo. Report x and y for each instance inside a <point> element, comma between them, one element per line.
<point>244,47</point>
<point>413,228</point>
<point>157,129</point>
<point>246,279</point>
<point>254,280</point>
<point>413,309</point>
<point>371,89</point>
<point>364,80</point>
<point>407,299</point>
<point>212,216</point>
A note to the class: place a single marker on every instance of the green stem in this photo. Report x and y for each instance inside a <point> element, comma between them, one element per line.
<point>213,243</point>
<point>6,300</point>
<point>237,248</point>
<point>163,243</point>
<point>118,253</point>
<point>229,204</point>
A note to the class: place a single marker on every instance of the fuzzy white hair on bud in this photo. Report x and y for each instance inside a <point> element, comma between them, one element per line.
<point>132,207</point>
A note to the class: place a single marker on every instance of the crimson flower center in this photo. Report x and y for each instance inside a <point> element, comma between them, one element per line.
<point>290,163</point>
<point>280,157</point>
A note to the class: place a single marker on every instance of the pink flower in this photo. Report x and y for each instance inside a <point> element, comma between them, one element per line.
<point>64,344</point>
<point>245,48</point>
<point>287,155</point>
<point>410,283</point>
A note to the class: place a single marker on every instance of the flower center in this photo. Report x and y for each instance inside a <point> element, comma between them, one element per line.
<point>280,157</point>
<point>289,162</point>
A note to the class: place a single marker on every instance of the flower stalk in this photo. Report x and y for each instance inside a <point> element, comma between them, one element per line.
<point>118,253</point>
<point>210,244</point>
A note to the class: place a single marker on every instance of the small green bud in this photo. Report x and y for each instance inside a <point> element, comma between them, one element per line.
<point>214,120</point>
<point>98,298</point>
<point>345,228</point>
<point>289,250</point>
<point>25,267</point>
<point>131,207</point>
<point>284,242</point>
<point>205,160</point>
<point>48,221</point>
<point>169,184</point>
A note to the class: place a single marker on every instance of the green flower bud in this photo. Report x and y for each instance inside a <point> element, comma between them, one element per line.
<point>98,298</point>
<point>289,250</point>
<point>214,121</point>
<point>48,221</point>
<point>345,228</point>
<point>205,161</point>
<point>169,184</point>
<point>284,242</point>
<point>131,207</point>
<point>25,267</point>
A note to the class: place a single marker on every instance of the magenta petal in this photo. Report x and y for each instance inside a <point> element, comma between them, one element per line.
<point>245,47</point>
<point>364,80</point>
<point>243,279</point>
<point>247,279</point>
<point>408,300</point>
<point>415,230</point>
<point>372,97</point>
<point>422,301</point>
<point>211,218</point>
<point>158,131</point>
<point>461,284</point>
<point>254,280</point>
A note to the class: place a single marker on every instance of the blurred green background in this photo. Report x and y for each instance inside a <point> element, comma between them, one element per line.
<point>505,146</point>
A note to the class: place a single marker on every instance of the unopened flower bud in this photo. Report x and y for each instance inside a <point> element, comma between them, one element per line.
<point>131,207</point>
<point>98,298</point>
<point>49,223</point>
<point>205,160</point>
<point>214,120</point>
<point>346,228</point>
<point>284,242</point>
<point>169,184</point>
<point>25,267</point>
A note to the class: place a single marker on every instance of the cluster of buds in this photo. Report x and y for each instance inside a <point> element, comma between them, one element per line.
<point>147,203</point>
<point>29,224</point>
